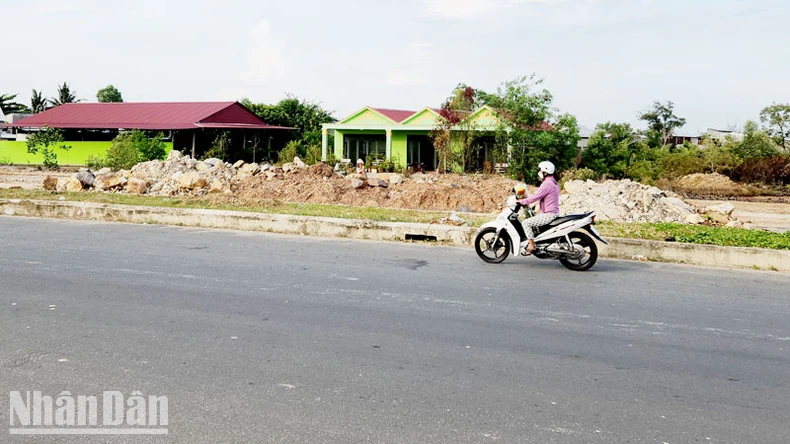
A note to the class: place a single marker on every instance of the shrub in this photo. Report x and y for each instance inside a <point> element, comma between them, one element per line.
<point>148,148</point>
<point>95,162</point>
<point>580,174</point>
<point>122,154</point>
<point>681,162</point>
<point>219,147</point>
<point>771,170</point>
<point>47,140</point>
<point>6,161</point>
<point>312,154</point>
<point>290,151</point>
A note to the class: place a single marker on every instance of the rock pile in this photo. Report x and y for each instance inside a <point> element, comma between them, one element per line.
<point>621,201</point>
<point>627,201</point>
<point>178,175</point>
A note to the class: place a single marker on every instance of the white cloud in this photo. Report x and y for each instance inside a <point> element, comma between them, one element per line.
<point>265,59</point>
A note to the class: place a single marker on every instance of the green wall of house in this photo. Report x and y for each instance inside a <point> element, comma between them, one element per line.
<point>14,152</point>
<point>338,145</point>
<point>398,149</point>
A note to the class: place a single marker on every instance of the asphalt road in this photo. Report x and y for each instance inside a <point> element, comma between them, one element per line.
<point>258,338</point>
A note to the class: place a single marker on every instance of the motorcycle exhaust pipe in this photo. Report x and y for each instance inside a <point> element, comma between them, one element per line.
<point>576,252</point>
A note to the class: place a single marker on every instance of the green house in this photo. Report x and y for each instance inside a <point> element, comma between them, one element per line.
<point>404,136</point>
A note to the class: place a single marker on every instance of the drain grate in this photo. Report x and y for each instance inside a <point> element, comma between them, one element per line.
<point>421,238</point>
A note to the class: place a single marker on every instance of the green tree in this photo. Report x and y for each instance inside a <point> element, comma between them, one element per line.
<point>662,121</point>
<point>8,105</point>
<point>609,151</point>
<point>131,147</point>
<point>149,147</point>
<point>530,131</point>
<point>756,143</point>
<point>38,103</point>
<point>47,140</point>
<point>776,118</point>
<point>291,111</point>
<point>65,95</point>
<point>122,154</point>
<point>109,94</point>
<point>453,135</point>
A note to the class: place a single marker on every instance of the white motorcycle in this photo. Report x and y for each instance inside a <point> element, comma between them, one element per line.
<point>561,239</point>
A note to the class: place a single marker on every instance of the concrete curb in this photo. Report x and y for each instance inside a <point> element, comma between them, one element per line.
<point>706,255</point>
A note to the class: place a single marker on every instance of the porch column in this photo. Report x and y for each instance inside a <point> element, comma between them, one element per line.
<point>194,133</point>
<point>324,144</point>
<point>389,144</point>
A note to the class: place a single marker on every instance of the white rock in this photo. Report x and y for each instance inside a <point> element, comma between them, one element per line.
<point>695,219</point>
<point>249,169</point>
<point>174,155</point>
<point>191,180</point>
<point>297,163</point>
<point>71,184</point>
<point>725,208</point>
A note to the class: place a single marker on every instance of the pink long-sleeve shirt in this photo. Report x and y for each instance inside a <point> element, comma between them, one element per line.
<point>549,196</point>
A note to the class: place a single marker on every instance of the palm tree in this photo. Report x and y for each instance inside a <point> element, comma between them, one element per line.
<point>9,106</point>
<point>65,95</point>
<point>38,103</point>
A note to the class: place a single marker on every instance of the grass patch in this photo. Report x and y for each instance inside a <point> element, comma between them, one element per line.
<point>697,234</point>
<point>269,206</point>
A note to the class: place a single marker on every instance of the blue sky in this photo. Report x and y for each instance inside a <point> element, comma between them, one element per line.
<point>720,61</point>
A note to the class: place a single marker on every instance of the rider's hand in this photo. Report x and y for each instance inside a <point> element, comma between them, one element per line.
<point>523,202</point>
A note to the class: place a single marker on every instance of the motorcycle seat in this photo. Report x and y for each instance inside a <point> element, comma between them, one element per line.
<point>570,217</point>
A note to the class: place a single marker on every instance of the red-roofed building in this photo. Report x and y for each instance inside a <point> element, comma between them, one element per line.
<point>190,126</point>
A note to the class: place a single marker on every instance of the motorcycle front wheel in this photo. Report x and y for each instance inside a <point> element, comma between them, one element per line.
<point>589,257</point>
<point>490,251</point>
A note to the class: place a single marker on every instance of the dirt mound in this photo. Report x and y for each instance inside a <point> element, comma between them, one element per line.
<point>320,169</point>
<point>714,184</point>
<point>319,184</point>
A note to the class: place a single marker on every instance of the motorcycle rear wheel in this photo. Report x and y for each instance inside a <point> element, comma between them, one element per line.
<point>487,250</point>
<point>590,252</point>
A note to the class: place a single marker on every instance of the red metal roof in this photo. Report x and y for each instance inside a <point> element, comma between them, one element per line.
<point>147,116</point>
<point>398,115</point>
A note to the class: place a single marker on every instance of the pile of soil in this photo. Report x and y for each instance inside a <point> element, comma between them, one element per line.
<point>319,184</point>
<point>710,185</point>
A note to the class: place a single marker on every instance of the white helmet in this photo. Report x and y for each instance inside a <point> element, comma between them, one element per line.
<point>546,166</point>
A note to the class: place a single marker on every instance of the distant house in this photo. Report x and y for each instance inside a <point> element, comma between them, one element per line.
<point>680,139</point>
<point>89,127</point>
<point>584,137</point>
<point>402,135</point>
<point>7,120</point>
<point>718,134</point>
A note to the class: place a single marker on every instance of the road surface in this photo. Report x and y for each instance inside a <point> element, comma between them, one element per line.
<point>257,338</point>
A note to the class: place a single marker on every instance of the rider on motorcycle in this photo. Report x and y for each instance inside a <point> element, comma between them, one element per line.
<point>549,197</point>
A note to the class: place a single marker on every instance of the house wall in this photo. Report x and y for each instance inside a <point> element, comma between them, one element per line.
<point>16,153</point>
<point>398,149</point>
<point>339,144</point>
